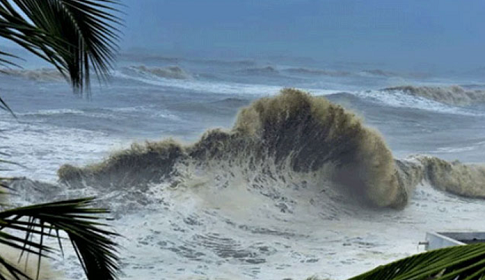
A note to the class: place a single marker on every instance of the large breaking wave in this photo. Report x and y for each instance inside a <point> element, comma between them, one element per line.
<point>292,141</point>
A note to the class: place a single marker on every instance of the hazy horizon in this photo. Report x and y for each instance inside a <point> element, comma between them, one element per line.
<point>414,35</point>
<point>420,36</point>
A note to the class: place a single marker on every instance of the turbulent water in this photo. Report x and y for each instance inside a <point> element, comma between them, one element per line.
<point>240,178</point>
<point>452,95</point>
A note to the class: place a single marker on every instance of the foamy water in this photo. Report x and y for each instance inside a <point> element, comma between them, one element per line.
<point>211,222</point>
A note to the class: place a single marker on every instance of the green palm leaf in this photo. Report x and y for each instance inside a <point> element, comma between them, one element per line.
<point>11,271</point>
<point>92,244</point>
<point>460,262</point>
<point>72,35</point>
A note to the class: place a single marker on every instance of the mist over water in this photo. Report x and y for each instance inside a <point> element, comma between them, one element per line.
<point>421,36</point>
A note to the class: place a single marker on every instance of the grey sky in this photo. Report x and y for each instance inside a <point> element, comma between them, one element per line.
<point>397,34</point>
<point>406,33</point>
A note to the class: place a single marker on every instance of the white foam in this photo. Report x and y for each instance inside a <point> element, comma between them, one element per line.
<point>317,237</point>
<point>186,235</point>
<point>401,99</point>
<point>216,87</point>
<point>57,112</point>
<point>42,148</point>
<point>461,148</point>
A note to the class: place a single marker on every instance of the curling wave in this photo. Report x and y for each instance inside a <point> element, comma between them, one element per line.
<point>41,74</point>
<point>171,72</point>
<point>466,180</point>
<point>452,95</point>
<point>317,72</point>
<point>268,70</point>
<point>289,141</point>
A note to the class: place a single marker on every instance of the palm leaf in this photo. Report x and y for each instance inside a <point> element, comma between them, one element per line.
<point>92,244</point>
<point>4,106</point>
<point>5,59</point>
<point>4,188</point>
<point>72,35</point>
<point>460,262</point>
<point>11,271</point>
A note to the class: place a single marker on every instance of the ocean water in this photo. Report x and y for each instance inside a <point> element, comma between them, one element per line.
<point>214,219</point>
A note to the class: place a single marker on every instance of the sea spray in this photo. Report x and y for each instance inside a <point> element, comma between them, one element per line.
<point>466,180</point>
<point>293,132</point>
<point>171,72</point>
<point>138,166</point>
<point>313,135</point>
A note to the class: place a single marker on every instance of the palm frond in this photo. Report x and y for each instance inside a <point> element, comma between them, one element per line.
<point>5,107</point>
<point>11,271</point>
<point>460,262</point>
<point>4,191</point>
<point>6,59</point>
<point>92,244</point>
<point>72,35</point>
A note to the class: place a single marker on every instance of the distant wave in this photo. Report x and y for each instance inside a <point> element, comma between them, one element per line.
<point>232,102</point>
<point>171,72</point>
<point>379,72</point>
<point>473,86</point>
<point>105,113</point>
<point>400,99</point>
<point>194,85</point>
<point>268,70</point>
<point>148,58</point>
<point>235,63</point>
<point>318,72</point>
<point>41,74</point>
<point>55,112</point>
<point>389,74</point>
<point>452,95</point>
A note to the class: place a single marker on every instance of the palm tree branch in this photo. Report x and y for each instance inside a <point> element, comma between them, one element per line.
<point>12,270</point>
<point>73,35</point>
<point>95,249</point>
<point>459,262</point>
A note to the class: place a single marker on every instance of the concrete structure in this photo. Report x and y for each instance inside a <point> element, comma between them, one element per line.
<point>437,240</point>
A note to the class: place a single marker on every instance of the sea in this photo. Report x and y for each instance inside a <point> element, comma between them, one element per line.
<point>201,188</point>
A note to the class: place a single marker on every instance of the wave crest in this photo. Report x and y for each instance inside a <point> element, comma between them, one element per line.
<point>452,95</point>
<point>171,72</point>
<point>466,180</point>
<point>268,70</point>
<point>318,72</point>
<point>41,74</point>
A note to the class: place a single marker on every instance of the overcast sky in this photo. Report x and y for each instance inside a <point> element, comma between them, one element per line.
<point>412,33</point>
<point>394,34</point>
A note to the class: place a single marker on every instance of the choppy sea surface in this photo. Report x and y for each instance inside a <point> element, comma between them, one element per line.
<point>203,231</point>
